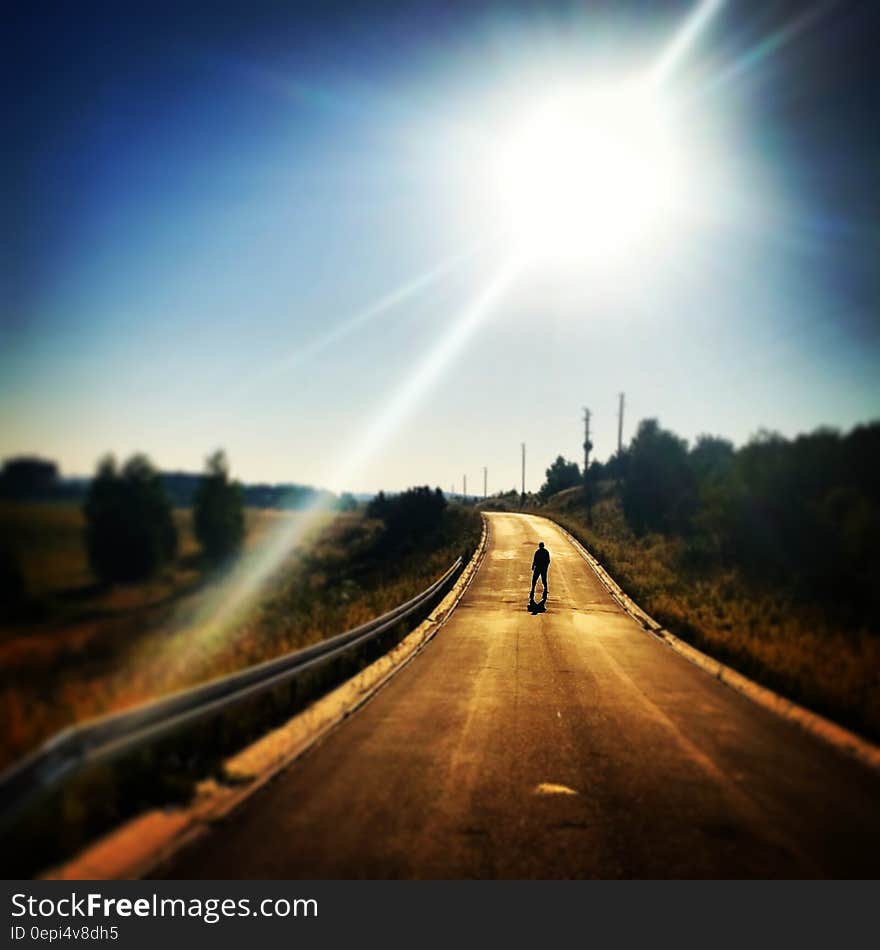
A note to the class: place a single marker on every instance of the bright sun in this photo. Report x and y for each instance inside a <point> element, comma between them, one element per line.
<point>587,174</point>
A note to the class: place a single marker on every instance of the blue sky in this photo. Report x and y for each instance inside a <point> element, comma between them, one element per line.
<point>198,197</point>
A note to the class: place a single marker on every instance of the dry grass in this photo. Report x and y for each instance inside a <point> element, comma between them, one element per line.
<point>790,645</point>
<point>82,650</point>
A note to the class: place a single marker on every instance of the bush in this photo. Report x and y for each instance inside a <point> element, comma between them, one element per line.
<point>219,511</point>
<point>560,475</point>
<point>415,513</point>
<point>130,530</point>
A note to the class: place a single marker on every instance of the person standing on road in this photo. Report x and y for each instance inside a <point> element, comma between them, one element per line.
<point>540,565</point>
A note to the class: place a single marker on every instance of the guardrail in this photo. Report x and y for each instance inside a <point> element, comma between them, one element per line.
<point>106,737</point>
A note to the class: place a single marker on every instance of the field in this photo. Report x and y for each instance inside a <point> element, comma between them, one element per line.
<point>78,650</point>
<point>780,639</point>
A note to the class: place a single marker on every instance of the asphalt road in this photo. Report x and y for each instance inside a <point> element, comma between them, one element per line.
<point>566,744</point>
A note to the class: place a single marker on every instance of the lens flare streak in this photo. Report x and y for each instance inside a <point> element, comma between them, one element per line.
<point>754,56</point>
<point>684,39</point>
<point>227,611</point>
<point>311,349</point>
<point>410,393</point>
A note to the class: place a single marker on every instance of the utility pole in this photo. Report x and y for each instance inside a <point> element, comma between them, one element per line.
<point>587,443</point>
<point>485,482</point>
<point>523,471</point>
<point>620,425</point>
<point>464,486</point>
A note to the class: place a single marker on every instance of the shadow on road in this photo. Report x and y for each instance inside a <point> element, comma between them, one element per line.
<point>537,607</point>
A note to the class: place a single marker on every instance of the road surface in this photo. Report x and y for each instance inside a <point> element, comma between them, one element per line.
<point>566,744</point>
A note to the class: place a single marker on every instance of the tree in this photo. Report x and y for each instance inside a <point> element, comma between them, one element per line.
<point>711,458</point>
<point>218,511</point>
<point>378,506</point>
<point>560,475</point>
<point>659,489</point>
<point>28,477</point>
<point>347,502</point>
<point>130,531</point>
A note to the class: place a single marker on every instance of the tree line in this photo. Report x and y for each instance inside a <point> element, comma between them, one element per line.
<point>30,478</point>
<point>803,512</point>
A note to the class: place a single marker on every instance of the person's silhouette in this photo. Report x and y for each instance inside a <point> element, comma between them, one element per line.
<point>540,565</point>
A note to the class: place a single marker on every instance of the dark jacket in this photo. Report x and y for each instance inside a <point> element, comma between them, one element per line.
<point>541,560</point>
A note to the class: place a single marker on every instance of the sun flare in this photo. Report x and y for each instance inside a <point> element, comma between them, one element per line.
<point>587,173</point>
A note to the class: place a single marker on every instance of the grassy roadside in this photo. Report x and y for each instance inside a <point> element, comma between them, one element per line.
<point>350,569</point>
<point>80,650</point>
<point>773,636</point>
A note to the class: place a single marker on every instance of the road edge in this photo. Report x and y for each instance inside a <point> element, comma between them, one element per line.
<point>144,844</point>
<point>838,737</point>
